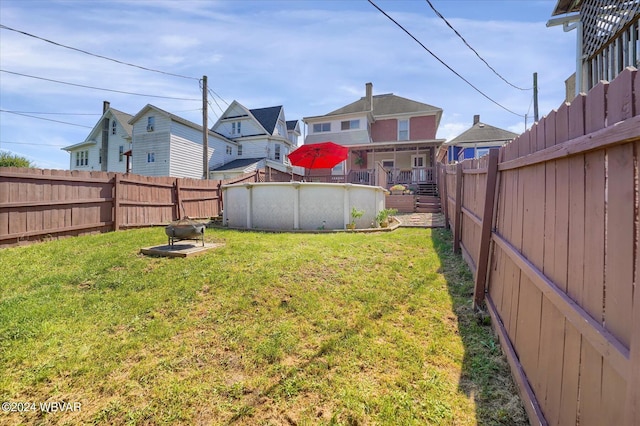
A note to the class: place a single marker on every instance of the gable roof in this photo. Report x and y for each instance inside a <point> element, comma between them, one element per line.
<point>292,124</point>
<point>387,104</point>
<point>481,132</point>
<point>177,119</point>
<point>123,118</point>
<point>267,117</point>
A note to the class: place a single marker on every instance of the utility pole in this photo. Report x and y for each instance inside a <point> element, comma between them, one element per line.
<point>205,130</point>
<point>535,97</point>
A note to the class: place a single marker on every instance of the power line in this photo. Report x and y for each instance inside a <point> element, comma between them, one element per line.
<point>472,49</point>
<point>46,119</point>
<point>98,88</point>
<point>442,62</point>
<point>96,55</point>
<point>31,143</point>
<point>53,113</point>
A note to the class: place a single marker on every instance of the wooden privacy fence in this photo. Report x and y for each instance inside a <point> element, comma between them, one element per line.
<point>549,225</point>
<point>37,203</point>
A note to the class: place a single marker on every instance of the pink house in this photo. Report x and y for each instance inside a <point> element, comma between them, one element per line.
<point>391,140</point>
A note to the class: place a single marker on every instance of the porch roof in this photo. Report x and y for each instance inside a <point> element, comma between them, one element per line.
<point>403,144</point>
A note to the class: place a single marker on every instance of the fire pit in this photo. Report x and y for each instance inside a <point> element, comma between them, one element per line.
<point>184,229</point>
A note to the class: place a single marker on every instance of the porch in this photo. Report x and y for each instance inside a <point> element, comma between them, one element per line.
<point>380,176</point>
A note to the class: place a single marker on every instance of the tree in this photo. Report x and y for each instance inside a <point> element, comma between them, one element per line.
<point>11,160</point>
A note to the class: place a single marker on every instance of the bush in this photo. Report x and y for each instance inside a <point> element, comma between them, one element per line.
<point>11,160</point>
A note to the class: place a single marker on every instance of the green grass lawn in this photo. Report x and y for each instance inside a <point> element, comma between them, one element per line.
<point>268,329</point>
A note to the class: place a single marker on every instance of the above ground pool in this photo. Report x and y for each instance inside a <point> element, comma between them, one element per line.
<point>300,205</point>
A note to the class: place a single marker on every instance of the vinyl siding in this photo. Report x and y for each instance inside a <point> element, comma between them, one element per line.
<point>94,153</point>
<point>186,158</point>
<point>342,137</point>
<point>145,142</point>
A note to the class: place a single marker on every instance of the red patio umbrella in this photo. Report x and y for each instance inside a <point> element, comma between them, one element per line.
<point>324,155</point>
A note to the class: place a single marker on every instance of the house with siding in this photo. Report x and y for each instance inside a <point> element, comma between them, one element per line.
<point>263,138</point>
<point>477,141</point>
<point>165,144</point>
<point>105,147</point>
<point>386,135</point>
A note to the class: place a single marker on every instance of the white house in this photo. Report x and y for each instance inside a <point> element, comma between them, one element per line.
<point>263,137</point>
<point>105,147</point>
<point>167,145</point>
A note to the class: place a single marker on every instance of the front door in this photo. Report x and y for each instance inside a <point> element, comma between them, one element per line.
<point>418,167</point>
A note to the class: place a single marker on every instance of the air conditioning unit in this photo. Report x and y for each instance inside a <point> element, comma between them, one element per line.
<point>149,128</point>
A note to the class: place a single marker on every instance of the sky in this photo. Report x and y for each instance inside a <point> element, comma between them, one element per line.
<point>311,57</point>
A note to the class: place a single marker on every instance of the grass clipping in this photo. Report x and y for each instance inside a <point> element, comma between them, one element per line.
<point>271,329</point>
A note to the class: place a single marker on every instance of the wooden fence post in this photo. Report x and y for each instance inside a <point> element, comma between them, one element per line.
<point>178,201</point>
<point>219,194</point>
<point>116,202</point>
<point>444,197</point>
<point>485,233</point>
<point>457,225</point>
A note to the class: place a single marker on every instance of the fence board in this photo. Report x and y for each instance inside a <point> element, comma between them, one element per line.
<point>575,273</point>
<point>620,241</point>
<point>528,328</point>
<point>593,285</point>
<point>549,369</point>
<point>570,376</point>
<point>620,97</point>
<point>590,406</point>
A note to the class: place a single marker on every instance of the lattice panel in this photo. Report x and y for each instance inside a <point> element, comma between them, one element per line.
<point>603,19</point>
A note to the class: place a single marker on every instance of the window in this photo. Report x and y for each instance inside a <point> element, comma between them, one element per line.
<point>151,157</point>
<point>82,158</point>
<point>277,152</point>
<point>321,127</point>
<point>99,156</point>
<point>151,123</point>
<point>338,169</point>
<point>120,153</point>
<point>403,130</point>
<point>239,150</point>
<point>481,152</point>
<point>114,127</point>
<point>350,124</point>
<point>229,151</point>
<point>236,128</point>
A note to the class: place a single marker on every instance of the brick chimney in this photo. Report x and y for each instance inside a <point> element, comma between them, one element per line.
<point>105,106</point>
<point>476,119</point>
<point>368,97</point>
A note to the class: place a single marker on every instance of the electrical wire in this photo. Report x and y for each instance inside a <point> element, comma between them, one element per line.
<point>96,55</point>
<point>31,143</point>
<point>46,119</point>
<point>53,113</point>
<point>98,88</point>
<point>472,49</point>
<point>442,62</point>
